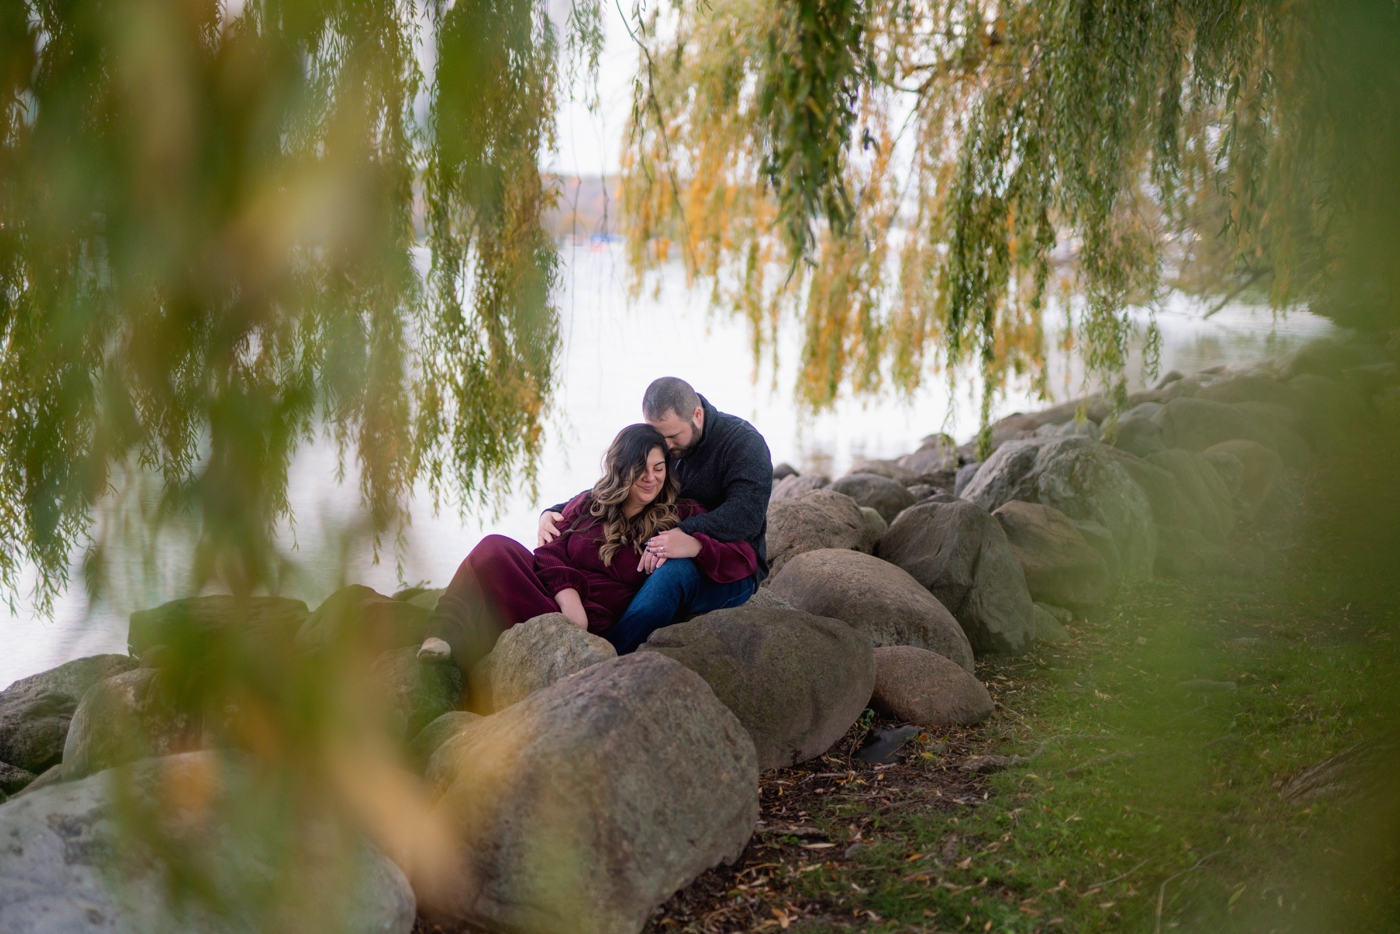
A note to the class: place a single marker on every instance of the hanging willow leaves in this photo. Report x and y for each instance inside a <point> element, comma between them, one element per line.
<point>207,235</point>
<point>1208,145</point>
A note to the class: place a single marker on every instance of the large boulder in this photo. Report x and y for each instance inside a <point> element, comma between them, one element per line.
<point>586,805</point>
<point>432,736</point>
<point>35,711</point>
<point>418,692</point>
<point>1262,468</point>
<point>1170,504</point>
<point>998,479</point>
<point>818,519</point>
<point>795,681</point>
<point>1250,387</point>
<point>924,688</point>
<point>1060,566</point>
<point>530,657</point>
<point>1281,423</point>
<point>1139,436</point>
<point>873,597</point>
<point>887,497</point>
<point>936,456</point>
<point>360,617</point>
<point>960,553</point>
<point>191,626</point>
<point>793,486</point>
<point>71,862</point>
<point>1203,486</point>
<point>1082,479</point>
<point>891,470</point>
<point>1322,356</point>
<point>127,717</point>
<point>1195,424</point>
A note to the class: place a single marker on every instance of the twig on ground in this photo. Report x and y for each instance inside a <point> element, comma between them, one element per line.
<point>1162,889</point>
<point>1099,885</point>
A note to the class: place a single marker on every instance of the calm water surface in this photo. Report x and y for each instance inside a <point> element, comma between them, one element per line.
<point>613,348</point>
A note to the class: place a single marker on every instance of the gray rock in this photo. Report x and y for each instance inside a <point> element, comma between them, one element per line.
<point>1058,613</point>
<point>1281,424</point>
<point>417,692</point>
<point>1059,565</point>
<point>1101,540</point>
<point>438,732</point>
<point>1250,388</point>
<point>875,521</point>
<point>794,486</point>
<point>35,711</point>
<point>13,778</point>
<point>795,681</point>
<point>1171,377</point>
<point>1261,469</point>
<point>960,553</point>
<point>1082,479</point>
<point>365,618</point>
<point>197,625</point>
<point>890,470</point>
<point>1322,356</point>
<point>875,598</point>
<point>582,808</point>
<point>1195,424</point>
<point>1048,628</point>
<point>427,599</point>
<point>1170,504</point>
<point>530,657</point>
<point>1077,429</point>
<point>918,686</point>
<point>999,479</point>
<point>1140,436</point>
<point>819,519</point>
<point>964,477</point>
<point>1229,468</point>
<point>130,716</point>
<point>932,458</point>
<point>784,470</point>
<point>766,598</point>
<point>887,497</point>
<point>69,867</point>
<point>1200,483</point>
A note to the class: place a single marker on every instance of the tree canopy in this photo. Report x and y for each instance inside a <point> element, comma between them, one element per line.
<point>902,172</point>
<point>209,221</point>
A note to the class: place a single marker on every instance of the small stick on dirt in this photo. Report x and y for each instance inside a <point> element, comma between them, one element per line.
<point>1162,889</point>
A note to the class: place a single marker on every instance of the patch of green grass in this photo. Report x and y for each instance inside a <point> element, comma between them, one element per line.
<point>1149,793</point>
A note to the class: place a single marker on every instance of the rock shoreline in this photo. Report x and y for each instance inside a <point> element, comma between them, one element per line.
<point>577,790</point>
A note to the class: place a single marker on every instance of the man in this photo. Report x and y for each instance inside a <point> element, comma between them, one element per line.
<point>724,464</point>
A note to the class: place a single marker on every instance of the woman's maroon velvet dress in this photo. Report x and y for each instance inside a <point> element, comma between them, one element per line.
<point>519,585</point>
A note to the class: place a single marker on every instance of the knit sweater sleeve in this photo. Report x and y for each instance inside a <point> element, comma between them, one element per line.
<point>552,562</point>
<point>748,482</point>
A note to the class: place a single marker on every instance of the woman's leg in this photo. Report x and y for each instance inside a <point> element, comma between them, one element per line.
<point>493,589</point>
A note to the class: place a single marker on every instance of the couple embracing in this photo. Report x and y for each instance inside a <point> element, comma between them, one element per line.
<point>675,525</point>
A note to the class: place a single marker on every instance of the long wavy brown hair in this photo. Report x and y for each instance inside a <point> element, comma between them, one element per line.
<point>625,461</point>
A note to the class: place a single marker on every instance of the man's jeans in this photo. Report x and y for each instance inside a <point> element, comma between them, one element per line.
<point>675,586</point>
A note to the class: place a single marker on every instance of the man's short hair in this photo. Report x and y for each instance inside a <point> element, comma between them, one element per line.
<point>670,394</point>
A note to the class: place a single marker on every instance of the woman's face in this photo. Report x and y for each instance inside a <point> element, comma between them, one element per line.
<point>648,484</point>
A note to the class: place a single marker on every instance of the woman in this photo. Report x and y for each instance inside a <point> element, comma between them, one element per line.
<point>592,570</point>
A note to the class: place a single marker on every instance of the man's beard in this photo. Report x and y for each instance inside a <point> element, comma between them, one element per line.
<point>695,438</point>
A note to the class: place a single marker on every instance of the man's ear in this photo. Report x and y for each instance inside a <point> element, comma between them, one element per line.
<point>698,416</point>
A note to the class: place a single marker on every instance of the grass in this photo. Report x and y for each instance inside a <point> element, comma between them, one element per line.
<point>1152,806</point>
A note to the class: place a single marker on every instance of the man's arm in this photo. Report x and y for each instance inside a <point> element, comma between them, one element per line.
<point>548,528</point>
<point>749,483</point>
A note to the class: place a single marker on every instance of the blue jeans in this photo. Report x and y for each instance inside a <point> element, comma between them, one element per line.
<point>675,586</point>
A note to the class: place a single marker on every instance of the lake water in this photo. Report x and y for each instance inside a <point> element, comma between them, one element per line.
<point>613,348</point>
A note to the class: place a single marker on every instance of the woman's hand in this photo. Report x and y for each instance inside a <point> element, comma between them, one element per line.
<point>667,545</point>
<point>571,605</point>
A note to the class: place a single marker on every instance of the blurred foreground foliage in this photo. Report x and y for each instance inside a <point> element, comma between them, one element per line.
<point>208,221</point>
<point>930,173</point>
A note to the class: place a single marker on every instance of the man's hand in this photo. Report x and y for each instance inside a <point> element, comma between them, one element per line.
<point>571,605</point>
<point>672,544</point>
<point>548,530</point>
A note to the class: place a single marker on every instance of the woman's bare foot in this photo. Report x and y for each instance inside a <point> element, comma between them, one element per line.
<point>434,649</point>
